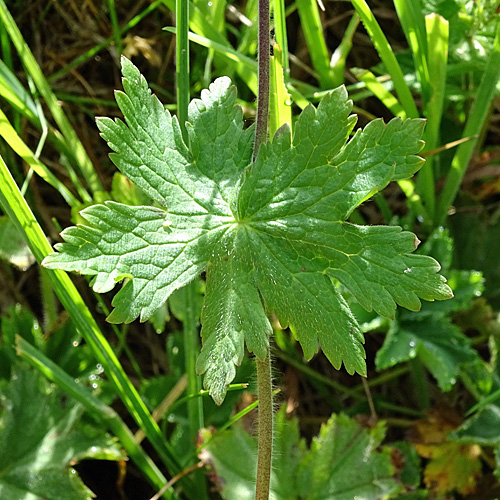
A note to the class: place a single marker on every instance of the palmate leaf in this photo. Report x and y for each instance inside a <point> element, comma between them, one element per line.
<point>346,461</point>
<point>271,234</point>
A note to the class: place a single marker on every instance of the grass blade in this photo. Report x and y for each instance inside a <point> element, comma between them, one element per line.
<point>437,30</point>
<point>8,132</point>
<point>33,69</point>
<point>246,67</point>
<point>379,91</point>
<point>313,32</point>
<point>387,55</point>
<point>280,104</point>
<point>190,320</point>
<point>473,127</point>
<point>97,409</point>
<point>17,209</point>
<point>413,24</point>
<point>337,62</point>
<point>95,50</point>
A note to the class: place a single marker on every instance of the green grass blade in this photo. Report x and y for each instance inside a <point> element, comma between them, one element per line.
<point>379,91</point>
<point>387,55</point>
<point>116,27</point>
<point>33,69</point>
<point>182,63</point>
<point>281,37</point>
<point>337,62</point>
<point>437,30</point>
<point>16,208</point>
<point>15,94</point>
<point>246,66</point>
<point>280,103</point>
<point>190,320</point>
<point>313,32</point>
<point>17,144</point>
<point>475,123</point>
<point>98,410</point>
<point>413,24</point>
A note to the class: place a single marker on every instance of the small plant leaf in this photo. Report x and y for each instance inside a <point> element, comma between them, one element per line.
<point>431,336</point>
<point>451,465</point>
<point>42,434</point>
<point>440,345</point>
<point>344,462</point>
<point>271,234</point>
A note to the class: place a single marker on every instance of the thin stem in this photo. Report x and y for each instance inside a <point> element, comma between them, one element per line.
<point>190,320</point>
<point>264,385</point>
<point>182,62</point>
<point>263,92</point>
<point>264,382</point>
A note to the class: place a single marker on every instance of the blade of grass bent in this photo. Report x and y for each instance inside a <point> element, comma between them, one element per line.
<point>473,127</point>
<point>18,145</point>
<point>33,69</point>
<point>387,55</point>
<point>15,94</point>
<point>17,209</point>
<point>96,408</point>
<point>379,91</point>
<point>338,59</point>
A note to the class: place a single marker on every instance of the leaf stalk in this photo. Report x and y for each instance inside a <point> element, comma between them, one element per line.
<point>263,72</point>
<point>264,384</point>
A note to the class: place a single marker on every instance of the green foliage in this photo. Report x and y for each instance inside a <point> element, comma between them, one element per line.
<point>482,429</point>
<point>271,235</point>
<point>343,462</point>
<point>13,248</point>
<point>431,335</point>
<point>42,433</point>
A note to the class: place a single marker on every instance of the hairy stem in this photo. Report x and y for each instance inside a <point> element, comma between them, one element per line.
<point>263,93</point>
<point>264,384</point>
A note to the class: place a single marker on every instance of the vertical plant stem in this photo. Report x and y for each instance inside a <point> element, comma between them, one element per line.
<point>264,381</point>
<point>263,92</point>
<point>182,63</point>
<point>190,323</point>
<point>264,384</point>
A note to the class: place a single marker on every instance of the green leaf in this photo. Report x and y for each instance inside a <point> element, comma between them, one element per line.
<point>271,234</point>
<point>480,429</point>
<point>344,462</point>
<point>431,336</point>
<point>232,314</point>
<point>440,345</point>
<point>41,434</point>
